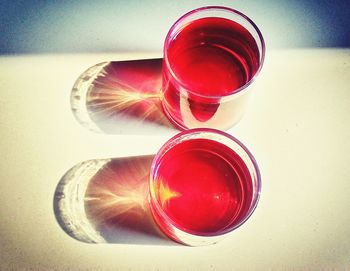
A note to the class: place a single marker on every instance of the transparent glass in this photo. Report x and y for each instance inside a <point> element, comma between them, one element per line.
<point>211,57</point>
<point>204,184</point>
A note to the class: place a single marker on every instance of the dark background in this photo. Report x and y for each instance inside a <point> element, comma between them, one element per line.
<point>110,26</point>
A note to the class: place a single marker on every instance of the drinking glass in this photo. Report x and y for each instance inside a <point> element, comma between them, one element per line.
<point>204,183</point>
<point>211,57</point>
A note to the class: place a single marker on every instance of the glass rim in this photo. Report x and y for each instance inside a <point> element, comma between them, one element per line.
<point>169,144</point>
<point>224,9</point>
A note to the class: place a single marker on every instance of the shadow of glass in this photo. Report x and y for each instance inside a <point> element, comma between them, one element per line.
<point>121,97</point>
<point>106,201</point>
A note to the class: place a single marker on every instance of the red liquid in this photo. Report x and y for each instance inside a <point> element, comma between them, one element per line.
<point>210,57</point>
<point>203,186</point>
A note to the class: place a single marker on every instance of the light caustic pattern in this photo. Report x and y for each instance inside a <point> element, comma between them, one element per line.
<point>128,89</point>
<point>119,191</point>
<point>110,202</point>
<point>106,201</point>
<point>165,194</point>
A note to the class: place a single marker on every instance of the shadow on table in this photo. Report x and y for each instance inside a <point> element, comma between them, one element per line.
<point>121,97</point>
<point>106,201</point>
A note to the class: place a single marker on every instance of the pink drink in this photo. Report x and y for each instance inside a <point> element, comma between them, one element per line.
<point>201,186</point>
<point>206,61</point>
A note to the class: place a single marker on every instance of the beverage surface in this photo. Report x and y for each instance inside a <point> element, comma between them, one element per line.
<point>213,56</point>
<point>203,186</point>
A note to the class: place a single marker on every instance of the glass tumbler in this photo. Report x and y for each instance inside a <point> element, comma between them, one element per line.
<point>211,57</point>
<point>204,184</point>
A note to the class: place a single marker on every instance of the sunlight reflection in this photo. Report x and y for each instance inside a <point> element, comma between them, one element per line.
<point>128,88</point>
<point>120,94</point>
<point>115,191</point>
<point>116,199</point>
<point>106,201</point>
<point>165,194</point>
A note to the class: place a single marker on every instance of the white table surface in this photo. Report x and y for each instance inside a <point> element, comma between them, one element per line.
<point>297,127</point>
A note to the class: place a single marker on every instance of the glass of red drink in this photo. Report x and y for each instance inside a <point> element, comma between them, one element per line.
<point>204,184</point>
<point>211,56</point>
